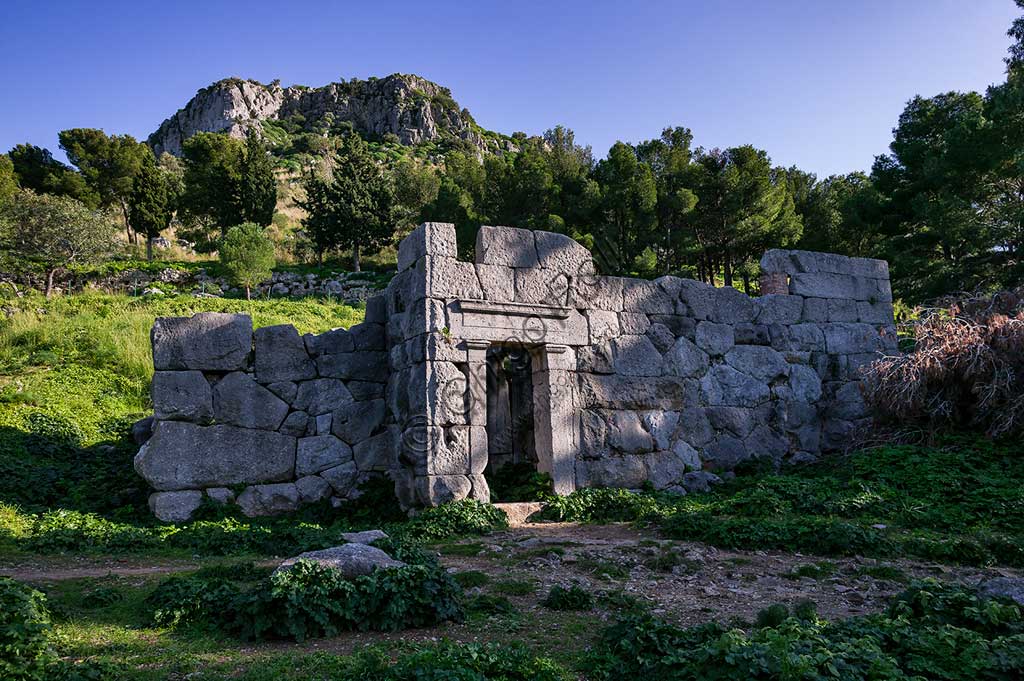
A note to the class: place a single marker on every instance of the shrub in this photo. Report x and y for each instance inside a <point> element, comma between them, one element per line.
<point>309,600</point>
<point>597,504</point>
<point>24,633</point>
<point>966,369</point>
<point>932,631</point>
<point>573,597</point>
<point>457,518</point>
<point>520,482</point>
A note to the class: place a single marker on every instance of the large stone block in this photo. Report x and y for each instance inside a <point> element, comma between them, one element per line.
<point>497,282</point>
<point>627,471</point>
<point>685,359</point>
<point>661,425</point>
<point>762,363</point>
<point>378,453</point>
<point>778,309</point>
<point>879,312</point>
<point>434,490</point>
<point>651,297</point>
<point>367,336</point>
<point>208,341</point>
<point>425,315</point>
<point>181,396</point>
<point>186,456</point>
<point>603,325</point>
<point>842,310</point>
<point>636,323</point>
<point>825,285</point>
<point>281,355</point>
<point>805,383</point>
<point>506,246</point>
<point>320,452</point>
<point>312,488</point>
<point>696,300</point>
<point>329,343</point>
<point>725,386</point>
<point>725,453</point>
<point>357,421</point>
<point>536,285</point>
<point>595,358</point>
<point>263,500</point>
<point>636,356</point>
<point>366,365</point>
<point>430,238</point>
<point>732,306</point>
<point>322,395</point>
<point>447,278</point>
<point>595,292</point>
<point>343,479</point>
<point>851,338</point>
<point>175,507</point>
<point>626,432</point>
<point>661,336</point>
<point>562,254</point>
<point>714,339</point>
<point>631,392</point>
<point>238,400</point>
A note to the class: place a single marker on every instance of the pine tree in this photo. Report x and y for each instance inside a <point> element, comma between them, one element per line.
<point>257,190</point>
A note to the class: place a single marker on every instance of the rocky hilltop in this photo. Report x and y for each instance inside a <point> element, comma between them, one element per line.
<point>414,109</point>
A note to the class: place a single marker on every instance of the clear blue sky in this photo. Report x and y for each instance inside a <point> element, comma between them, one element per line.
<point>818,83</point>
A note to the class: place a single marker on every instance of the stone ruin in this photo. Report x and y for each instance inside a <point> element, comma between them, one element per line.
<point>524,356</point>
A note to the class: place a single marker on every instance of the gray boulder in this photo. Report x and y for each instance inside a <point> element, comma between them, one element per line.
<point>181,396</point>
<point>175,507</point>
<point>238,400</point>
<point>183,456</point>
<point>262,500</point>
<point>636,356</point>
<point>505,246</point>
<point>364,537</point>
<point>320,452</point>
<point>312,488</point>
<point>342,479</point>
<point>1003,587</point>
<point>351,560</point>
<point>700,481</point>
<point>281,355</point>
<point>685,359</point>
<point>208,341</point>
<point>355,422</point>
<point>142,430</point>
<point>321,396</point>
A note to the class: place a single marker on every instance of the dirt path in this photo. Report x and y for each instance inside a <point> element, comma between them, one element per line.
<point>57,569</point>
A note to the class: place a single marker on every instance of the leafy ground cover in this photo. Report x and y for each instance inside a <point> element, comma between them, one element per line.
<point>961,501</point>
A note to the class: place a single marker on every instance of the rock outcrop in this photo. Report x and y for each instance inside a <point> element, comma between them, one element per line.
<point>412,108</point>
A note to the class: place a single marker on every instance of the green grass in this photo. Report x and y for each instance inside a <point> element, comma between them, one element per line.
<point>959,502</point>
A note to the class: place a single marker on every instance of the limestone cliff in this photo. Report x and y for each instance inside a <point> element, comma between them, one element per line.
<point>414,109</point>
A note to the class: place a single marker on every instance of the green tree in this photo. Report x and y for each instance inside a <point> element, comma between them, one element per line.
<point>629,196</point>
<point>248,255</point>
<point>257,191</point>
<point>416,187</point>
<point>37,169</point>
<point>669,158</point>
<point>53,233</point>
<point>353,209</point>
<point>108,164</point>
<point>152,202</point>
<point>212,176</point>
<point>8,180</point>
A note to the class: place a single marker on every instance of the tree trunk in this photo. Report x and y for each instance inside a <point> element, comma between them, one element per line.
<point>248,293</point>
<point>355,258</point>
<point>149,248</point>
<point>727,268</point>
<point>746,283</point>
<point>127,223</point>
<point>49,281</point>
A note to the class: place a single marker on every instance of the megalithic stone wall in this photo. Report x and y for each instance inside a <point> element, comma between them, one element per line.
<point>632,380</point>
<point>279,418</point>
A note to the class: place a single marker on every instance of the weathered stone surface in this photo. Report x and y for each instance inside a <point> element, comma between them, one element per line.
<point>661,336</point>
<point>281,355</point>
<point>603,325</point>
<point>634,323</point>
<point>430,238</point>
<point>685,359</point>
<point>175,507</point>
<point>142,430</point>
<point>815,310</point>
<point>778,309</point>
<point>595,359</point>
<point>639,295</point>
<point>364,537</point>
<point>879,312</point>
<point>631,392</point>
<point>562,254</point>
<point>666,468</point>
<point>208,341</point>
<point>312,488</point>
<point>263,500</point>
<point>342,478</point>
<point>732,306</point>
<point>434,490</point>
<point>714,339</point>
<point>377,453</point>
<point>725,453</point>
<point>700,481</point>
<point>186,456</point>
<point>360,366</point>
<point>321,396</point>
<point>725,386</point>
<point>595,292</point>
<point>661,425</point>
<point>365,390</point>
<point>367,336</point>
<point>842,310</point>
<point>286,390</point>
<point>221,495</point>
<point>677,324</point>
<point>505,246</point>
<point>695,427</point>
<point>446,278</point>
<point>1011,588</point>
<point>615,471</point>
<point>697,300</point>
<point>626,433</point>
<point>238,400</point>
<point>351,560</point>
<point>331,342</point>
<point>182,396</point>
<point>295,424</point>
<point>805,383</point>
<point>320,452</point>
<point>356,421</point>
<point>764,364</point>
<point>497,282</point>
<point>739,421</point>
<point>636,356</point>
<point>548,287</point>
<point>850,338</point>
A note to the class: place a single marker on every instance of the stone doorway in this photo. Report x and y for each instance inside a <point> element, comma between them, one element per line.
<point>511,443</point>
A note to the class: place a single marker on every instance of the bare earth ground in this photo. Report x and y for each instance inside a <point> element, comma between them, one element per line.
<point>706,583</point>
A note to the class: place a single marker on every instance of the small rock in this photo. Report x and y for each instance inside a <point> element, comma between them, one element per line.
<point>364,537</point>
<point>351,560</point>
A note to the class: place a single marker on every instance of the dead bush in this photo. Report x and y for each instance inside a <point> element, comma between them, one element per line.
<point>966,368</point>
